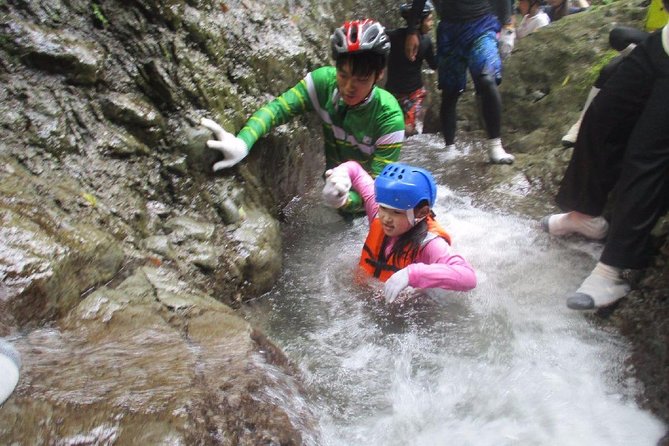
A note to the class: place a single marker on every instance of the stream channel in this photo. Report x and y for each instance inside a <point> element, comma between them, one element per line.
<point>505,364</point>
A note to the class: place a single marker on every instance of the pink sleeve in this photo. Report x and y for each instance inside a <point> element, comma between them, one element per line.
<point>363,184</point>
<point>436,268</point>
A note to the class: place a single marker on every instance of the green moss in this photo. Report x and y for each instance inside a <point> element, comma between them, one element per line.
<point>98,16</point>
<point>590,76</point>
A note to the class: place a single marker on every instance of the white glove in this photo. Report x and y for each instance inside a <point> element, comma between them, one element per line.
<point>395,284</point>
<point>234,149</point>
<point>507,38</point>
<point>337,185</point>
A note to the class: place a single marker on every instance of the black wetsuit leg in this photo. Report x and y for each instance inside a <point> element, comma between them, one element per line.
<point>642,193</point>
<point>449,101</point>
<point>491,104</point>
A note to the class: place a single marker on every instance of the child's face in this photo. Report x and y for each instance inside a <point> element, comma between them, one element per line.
<point>394,222</point>
<point>524,6</point>
<point>428,23</point>
<point>354,89</point>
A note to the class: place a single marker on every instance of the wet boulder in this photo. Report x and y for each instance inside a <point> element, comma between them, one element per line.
<point>55,51</point>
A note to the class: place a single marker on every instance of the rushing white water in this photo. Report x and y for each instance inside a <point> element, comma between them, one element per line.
<point>504,364</point>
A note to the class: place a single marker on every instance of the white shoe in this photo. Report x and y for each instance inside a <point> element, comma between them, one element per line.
<point>496,152</point>
<point>10,363</point>
<point>594,228</point>
<point>603,287</point>
<point>569,139</point>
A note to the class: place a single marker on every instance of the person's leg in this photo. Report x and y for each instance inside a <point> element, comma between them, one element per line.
<point>451,39</point>
<point>403,100</point>
<point>449,101</point>
<point>594,167</point>
<point>595,164</point>
<point>491,104</point>
<point>642,198</point>
<point>418,111</point>
<point>406,104</point>
<point>590,176</point>
<point>485,67</point>
<point>569,139</point>
<point>642,193</point>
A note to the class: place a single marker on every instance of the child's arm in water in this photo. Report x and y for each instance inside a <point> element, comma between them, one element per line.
<point>437,268</point>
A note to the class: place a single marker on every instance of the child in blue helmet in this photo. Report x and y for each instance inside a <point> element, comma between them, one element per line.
<point>405,245</point>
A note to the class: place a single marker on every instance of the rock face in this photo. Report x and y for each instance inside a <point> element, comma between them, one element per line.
<point>120,250</point>
<point>121,253</point>
<point>147,361</point>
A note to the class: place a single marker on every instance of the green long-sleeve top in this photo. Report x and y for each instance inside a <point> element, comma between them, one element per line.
<point>371,133</point>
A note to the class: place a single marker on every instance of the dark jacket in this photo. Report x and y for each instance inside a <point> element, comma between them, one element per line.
<point>405,76</point>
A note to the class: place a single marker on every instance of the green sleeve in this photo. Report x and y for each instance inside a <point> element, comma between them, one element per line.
<point>279,111</point>
<point>354,205</point>
<point>390,122</point>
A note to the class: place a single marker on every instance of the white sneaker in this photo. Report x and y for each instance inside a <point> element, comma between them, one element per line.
<point>496,152</point>
<point>569,139</point>
<point>594,228</point>
<point>10,365</point>
<point>603,287</point>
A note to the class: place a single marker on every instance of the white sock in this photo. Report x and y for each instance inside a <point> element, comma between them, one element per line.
<point>628,49</point>
<point>572,133</point>
<point>594,91</point>
<point>594,228</point>
<point>450,147</point>
<point>497,153</point>
<point>604,285</point>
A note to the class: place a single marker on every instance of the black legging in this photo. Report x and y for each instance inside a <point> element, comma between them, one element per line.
<point>491,108</point>
<point>643,189</point>
<point>623,143</point>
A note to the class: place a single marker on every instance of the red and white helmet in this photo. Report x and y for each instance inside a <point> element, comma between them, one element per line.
<point>358,36</point>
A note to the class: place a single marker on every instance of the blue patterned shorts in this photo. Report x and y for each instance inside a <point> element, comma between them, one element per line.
<point>468,46</point>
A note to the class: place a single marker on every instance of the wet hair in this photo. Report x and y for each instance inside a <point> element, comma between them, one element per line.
<point>363,64</point>
<point>409,244</point>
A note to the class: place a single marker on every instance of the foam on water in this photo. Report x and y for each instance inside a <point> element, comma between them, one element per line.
<point>504,364</point>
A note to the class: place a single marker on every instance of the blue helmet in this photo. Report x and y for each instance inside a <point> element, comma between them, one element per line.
<point>400,186</point>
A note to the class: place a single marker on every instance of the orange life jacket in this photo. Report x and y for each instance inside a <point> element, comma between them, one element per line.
<point>373,259</point>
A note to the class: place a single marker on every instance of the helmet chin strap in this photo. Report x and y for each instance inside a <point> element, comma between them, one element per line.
<point>413,221</point>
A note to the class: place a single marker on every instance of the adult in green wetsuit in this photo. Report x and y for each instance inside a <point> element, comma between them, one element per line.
<point>361,121</point>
